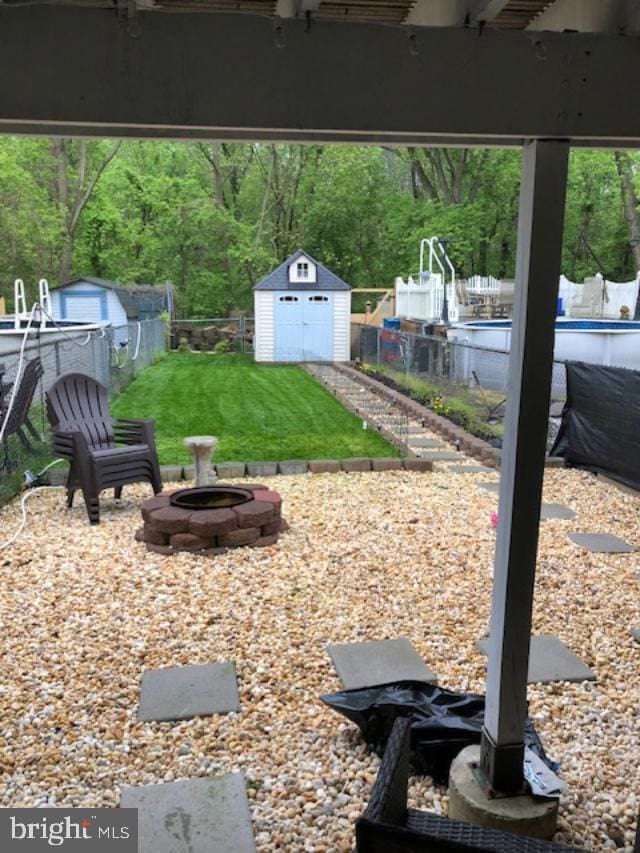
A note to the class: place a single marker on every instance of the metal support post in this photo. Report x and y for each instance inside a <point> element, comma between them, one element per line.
<point>540,226</point>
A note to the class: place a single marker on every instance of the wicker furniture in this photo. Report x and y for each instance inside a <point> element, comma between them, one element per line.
<point>18,417</point>
<point>103,452</point>
<point>388,826</point>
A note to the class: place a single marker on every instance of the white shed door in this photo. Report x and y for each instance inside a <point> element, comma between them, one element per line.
<point>303,326</point>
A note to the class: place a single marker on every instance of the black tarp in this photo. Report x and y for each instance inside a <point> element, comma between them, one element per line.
<point>442,722</point>
<point>600,427</point>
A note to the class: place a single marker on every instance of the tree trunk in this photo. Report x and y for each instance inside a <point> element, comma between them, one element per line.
<point>73,196</point>
<point>630,203</point>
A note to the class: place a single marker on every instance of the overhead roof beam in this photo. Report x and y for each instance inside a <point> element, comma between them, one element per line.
<point>296,8</point>
<point>188,75</point>
<point>485,10</point>
<point>590,16</point>
<point>453,13</point>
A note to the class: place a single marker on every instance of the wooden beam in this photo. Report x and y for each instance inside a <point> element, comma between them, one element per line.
<point>296,8</point>
<point>540,227</point>
<point>83,71</point>
<point>437,13</point>
<point>485,10</point>
<point>590,16</point>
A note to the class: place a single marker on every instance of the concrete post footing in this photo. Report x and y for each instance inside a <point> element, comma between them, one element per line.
<point>522,815</point>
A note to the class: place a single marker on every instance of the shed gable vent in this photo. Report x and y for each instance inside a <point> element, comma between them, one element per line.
<point>302,270</point>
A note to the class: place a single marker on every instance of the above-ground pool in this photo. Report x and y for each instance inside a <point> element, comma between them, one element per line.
<point>615,342</point>
<point>563,325</point>
<point>11,338</point>
<point>608,342</point>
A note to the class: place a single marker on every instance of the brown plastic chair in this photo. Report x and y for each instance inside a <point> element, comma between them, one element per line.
<point>18,417</point>
<point>104,452</point>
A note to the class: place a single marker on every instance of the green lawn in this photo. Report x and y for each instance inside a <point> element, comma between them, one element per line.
<point>259,412</point>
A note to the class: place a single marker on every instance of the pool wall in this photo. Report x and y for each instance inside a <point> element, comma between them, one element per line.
<point>605,342</point>
<point>11,339</point>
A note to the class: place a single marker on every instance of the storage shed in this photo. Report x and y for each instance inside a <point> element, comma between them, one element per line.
<point>302,313</point>
<point>93,300</point>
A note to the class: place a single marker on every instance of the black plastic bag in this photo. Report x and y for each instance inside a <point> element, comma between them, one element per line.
<point>599,429</point>
<point>442,722</point>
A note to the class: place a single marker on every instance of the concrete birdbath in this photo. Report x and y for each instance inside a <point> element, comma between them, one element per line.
<point>202,448</point>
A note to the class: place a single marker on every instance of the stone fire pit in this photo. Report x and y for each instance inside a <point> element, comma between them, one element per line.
<point>211,519</point>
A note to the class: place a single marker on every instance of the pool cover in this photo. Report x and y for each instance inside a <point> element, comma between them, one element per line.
<point>601,421</point>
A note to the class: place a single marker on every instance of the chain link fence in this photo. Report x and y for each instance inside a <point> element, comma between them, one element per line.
<point>466,383</point>
<point>450,364</point>
<point>111,355</point>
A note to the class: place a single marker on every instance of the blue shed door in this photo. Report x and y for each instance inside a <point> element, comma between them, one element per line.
<point>288,326</point>
<point>318,327</point>
<point>303,326</point>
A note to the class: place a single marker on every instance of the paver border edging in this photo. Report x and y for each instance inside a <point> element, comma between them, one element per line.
<point>471,444</point>
<point>358,464</point>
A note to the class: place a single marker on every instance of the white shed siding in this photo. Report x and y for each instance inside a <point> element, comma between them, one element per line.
<point>264,338</point>
<point>55,304</point>
<point>342,325</point>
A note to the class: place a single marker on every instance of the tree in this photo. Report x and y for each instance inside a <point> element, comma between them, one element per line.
<point>626,166</point>
<point>215,217</point>
<point>79,166</point>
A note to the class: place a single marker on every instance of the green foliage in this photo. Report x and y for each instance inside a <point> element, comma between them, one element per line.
<point>214,218</point>
<point>222,347</point>
<point>258,412</point>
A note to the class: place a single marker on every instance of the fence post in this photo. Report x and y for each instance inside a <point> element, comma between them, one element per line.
<point>56,352</point>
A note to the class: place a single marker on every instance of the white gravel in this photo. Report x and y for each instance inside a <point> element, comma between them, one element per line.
<point>369,556</point>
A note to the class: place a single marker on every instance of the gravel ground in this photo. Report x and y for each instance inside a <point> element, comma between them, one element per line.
<point>369,556</point>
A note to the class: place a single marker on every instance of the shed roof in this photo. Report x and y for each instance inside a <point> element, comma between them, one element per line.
<point>126,300</point>
<point>279,278</point>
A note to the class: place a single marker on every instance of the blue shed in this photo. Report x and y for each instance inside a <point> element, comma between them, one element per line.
<point>302,313</point>
<point>93,300</point>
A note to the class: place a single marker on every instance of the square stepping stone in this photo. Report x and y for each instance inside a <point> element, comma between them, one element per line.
<point>552,510</point>
<point>601,543</point>
<point>379,662</point>
<point>490,487</point>
<point>416,441</point>
<point>470,469</point>
<point>438,455</point>
<point>181,692</point>
<point>195,815</point>
<point>635,633</point>
<point>549,660</point>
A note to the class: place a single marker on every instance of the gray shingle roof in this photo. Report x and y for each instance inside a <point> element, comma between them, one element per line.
<point>279,278</point>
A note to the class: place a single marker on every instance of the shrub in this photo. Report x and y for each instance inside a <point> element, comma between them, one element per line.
<point>222,347</point>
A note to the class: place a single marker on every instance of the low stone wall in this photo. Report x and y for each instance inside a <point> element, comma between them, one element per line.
<point>169,529</point>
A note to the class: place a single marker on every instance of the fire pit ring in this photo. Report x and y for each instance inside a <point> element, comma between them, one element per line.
<point>210,497</point>
<point>209,520</point>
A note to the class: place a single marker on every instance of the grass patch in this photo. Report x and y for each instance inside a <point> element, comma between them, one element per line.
<point>258,412</point>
